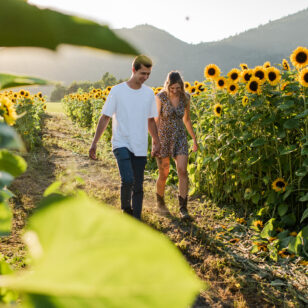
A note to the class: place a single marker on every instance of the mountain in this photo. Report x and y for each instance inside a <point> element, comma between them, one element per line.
<point>270,42</point>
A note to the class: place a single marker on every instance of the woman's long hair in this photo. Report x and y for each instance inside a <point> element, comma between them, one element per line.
<point>172,78</point>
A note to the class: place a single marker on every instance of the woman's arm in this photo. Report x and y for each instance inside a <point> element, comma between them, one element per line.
<point>187,122</point>
<point>158,105</point>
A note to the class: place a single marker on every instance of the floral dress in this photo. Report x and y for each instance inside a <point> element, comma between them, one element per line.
<point>171,130</point>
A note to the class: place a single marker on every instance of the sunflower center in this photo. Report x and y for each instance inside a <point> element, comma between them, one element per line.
<point>211,71</point>
<point>301,57</point>
<point>234,76</point>
<point>253,86</point>
<point>306,77</point>
<point>232,87</point>
<point>259,74</point>
<point>247,76</point>
<point>218,109</point>
<point>280,184</point>
<point>221,82</point>
<point>193,90</point>
<point>272,76</point>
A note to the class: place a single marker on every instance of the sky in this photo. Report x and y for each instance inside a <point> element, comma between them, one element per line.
<point>191,21</point>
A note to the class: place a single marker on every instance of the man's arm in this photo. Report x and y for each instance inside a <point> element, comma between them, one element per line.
<point>101,126</point>
<point>155,139</point>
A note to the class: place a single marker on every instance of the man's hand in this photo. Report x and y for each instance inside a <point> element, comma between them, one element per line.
<point>92,152</point>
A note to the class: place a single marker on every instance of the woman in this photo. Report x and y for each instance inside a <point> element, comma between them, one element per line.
<point>173,116</point>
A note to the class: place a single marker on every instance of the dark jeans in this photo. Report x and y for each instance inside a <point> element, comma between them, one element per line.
<point>131,170</point>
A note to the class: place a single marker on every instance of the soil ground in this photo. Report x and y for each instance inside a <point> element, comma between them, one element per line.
<point>235,278</point>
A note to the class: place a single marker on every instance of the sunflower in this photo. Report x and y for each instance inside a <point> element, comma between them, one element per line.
<point>279,185</point>
<point>273,75</point>
<point>244,66</point>
<point>44,107</point>
<point>232,87</point>
<point>22,92</point>
<point>246,75</point>
<point>234,74</point>
<point>285,65</point>
<point>267,64</point>
<point>254,86</point>
<point>192,90</point>
<point>245,101</point>
<point>200,87</point>
<point>258,223</point>
<point>93,90</point>
<point>109,88</point>
<point>158,89</point>
<point>303,77</point>
<point>211,71</point>
<point>218,109</point>
<point>186,85</point>
<point>196,83</point>
<point>8,111</point>
<point>260,73</point>
<point>299,57</point>
<point>221,82</point>
<point>293,233</point>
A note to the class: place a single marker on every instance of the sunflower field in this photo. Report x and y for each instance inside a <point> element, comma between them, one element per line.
<point>24,111</point>
<point>252,129</point>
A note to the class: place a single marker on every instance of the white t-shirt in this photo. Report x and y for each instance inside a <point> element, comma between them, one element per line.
<point>130,110</point>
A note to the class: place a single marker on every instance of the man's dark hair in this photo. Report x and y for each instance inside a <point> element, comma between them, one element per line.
<point>142,60</point>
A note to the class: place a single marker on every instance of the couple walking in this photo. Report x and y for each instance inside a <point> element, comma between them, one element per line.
<point>134,111</point>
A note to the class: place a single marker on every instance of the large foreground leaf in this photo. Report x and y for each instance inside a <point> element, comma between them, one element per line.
<point>8,80</point>
<point>9,138</point>
<point>11,163</point>
<point>89,255</point>
<point>22,24</point>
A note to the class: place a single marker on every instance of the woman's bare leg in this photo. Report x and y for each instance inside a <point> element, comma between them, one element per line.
<point>163,171</point>
<point>181,167</point>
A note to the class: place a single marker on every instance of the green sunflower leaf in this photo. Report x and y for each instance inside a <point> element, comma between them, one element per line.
<point>89,260</point>
<point>5,219</point>
<point>305,214</point>
<point>282,209</point>
<point>291,123</point>
<point>5,179</point>
<point>9,138</point>
<point>13,164</point>
<point>288,149</point>
<point>48,29</point>
<point>258,142</point>
<point>268,230</point>
<point>304,150</point>
<point>301,171</point>
<point>8,81</point>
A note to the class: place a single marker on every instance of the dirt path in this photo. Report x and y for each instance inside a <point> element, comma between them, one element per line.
<point>235,278</point>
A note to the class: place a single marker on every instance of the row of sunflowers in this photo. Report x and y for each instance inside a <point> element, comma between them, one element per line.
<point>24,111</point>
<point>253,136</point>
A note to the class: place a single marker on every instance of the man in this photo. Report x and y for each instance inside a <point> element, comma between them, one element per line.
<point>132,108</point>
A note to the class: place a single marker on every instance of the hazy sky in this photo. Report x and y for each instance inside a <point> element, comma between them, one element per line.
<point>192,21</point>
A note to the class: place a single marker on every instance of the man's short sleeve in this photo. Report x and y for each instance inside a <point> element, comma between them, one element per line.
<point>153,108</point>
<point>109,107</point>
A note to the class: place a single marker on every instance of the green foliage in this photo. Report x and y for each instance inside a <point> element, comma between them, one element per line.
<point>8,81</point>
<point>46,28</point>
<point>89,259</point>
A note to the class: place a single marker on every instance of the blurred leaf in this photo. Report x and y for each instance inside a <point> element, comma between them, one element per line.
<point>295,245</point>
<point>286,105</point>
<point>302,115</point>
<point>53,188</point>
<point>258,142</point>
<point>46,28</point>
<point>9,138</point>
<point>282,209</point>
<point>8,81</point>
<point>5,219</point>
<point>304,150</point>
<point>268,230</point>
<point>301,171</point>
<point>89,260</point>
<point>288,149</point>
<point>305,214</point>
<point>288,192</point>
<point>291,123</point>
<point>13,164</point>
<point>5,179</point>
<point>289,219</point>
